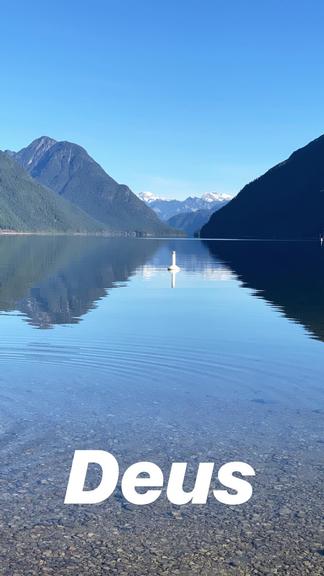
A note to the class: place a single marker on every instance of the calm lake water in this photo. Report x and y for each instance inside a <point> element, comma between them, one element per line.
<point>99,351</point>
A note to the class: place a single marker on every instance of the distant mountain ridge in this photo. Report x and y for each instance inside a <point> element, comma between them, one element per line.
<point>167,208</point>
<point>27,206</point>
<point>296,213</point>
<point>68,170</point>
<point>190,222</point>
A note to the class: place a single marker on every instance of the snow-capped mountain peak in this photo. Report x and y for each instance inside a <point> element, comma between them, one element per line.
<point>165,208</point>
<point>216,197</point>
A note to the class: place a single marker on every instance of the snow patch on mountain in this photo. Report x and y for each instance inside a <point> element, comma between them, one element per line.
<point>149,197</point>
<point>216,197</point>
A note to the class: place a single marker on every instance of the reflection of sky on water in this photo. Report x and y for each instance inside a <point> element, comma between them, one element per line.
<point>114,313</point>
<point>219,273</point>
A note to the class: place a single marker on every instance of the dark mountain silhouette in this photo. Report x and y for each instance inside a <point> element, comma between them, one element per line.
<point>288,275</point>
<point>57,280</point>
<point>286,202</point>
<point>67,169</point>
<point>26,206</point>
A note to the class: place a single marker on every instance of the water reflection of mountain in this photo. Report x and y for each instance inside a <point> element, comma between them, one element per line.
<point>56,280</point>
<point>289,275</point>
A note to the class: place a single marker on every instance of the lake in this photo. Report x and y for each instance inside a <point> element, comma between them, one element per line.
<point>102,348</point>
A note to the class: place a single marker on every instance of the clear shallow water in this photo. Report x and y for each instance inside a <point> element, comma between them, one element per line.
<point>98,351</point>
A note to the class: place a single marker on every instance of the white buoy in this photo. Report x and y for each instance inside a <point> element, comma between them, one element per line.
<point>174,267</point>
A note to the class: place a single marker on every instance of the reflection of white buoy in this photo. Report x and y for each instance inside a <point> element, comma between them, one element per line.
<point>174,267</point>
<point>173,278</point>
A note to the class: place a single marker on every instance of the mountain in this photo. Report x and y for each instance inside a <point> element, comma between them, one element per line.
<point>190,222</point>
<point>286,202</point>
<point>26,206</point>
<point>166,208</point>
<point>67,169</point>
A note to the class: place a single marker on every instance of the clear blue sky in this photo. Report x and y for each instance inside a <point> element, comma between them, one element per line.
<point>176,97</point>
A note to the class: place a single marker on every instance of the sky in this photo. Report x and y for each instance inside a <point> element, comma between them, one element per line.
<point>175,97</point>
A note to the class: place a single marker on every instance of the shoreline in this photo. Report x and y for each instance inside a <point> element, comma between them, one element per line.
<point>97,234</point>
